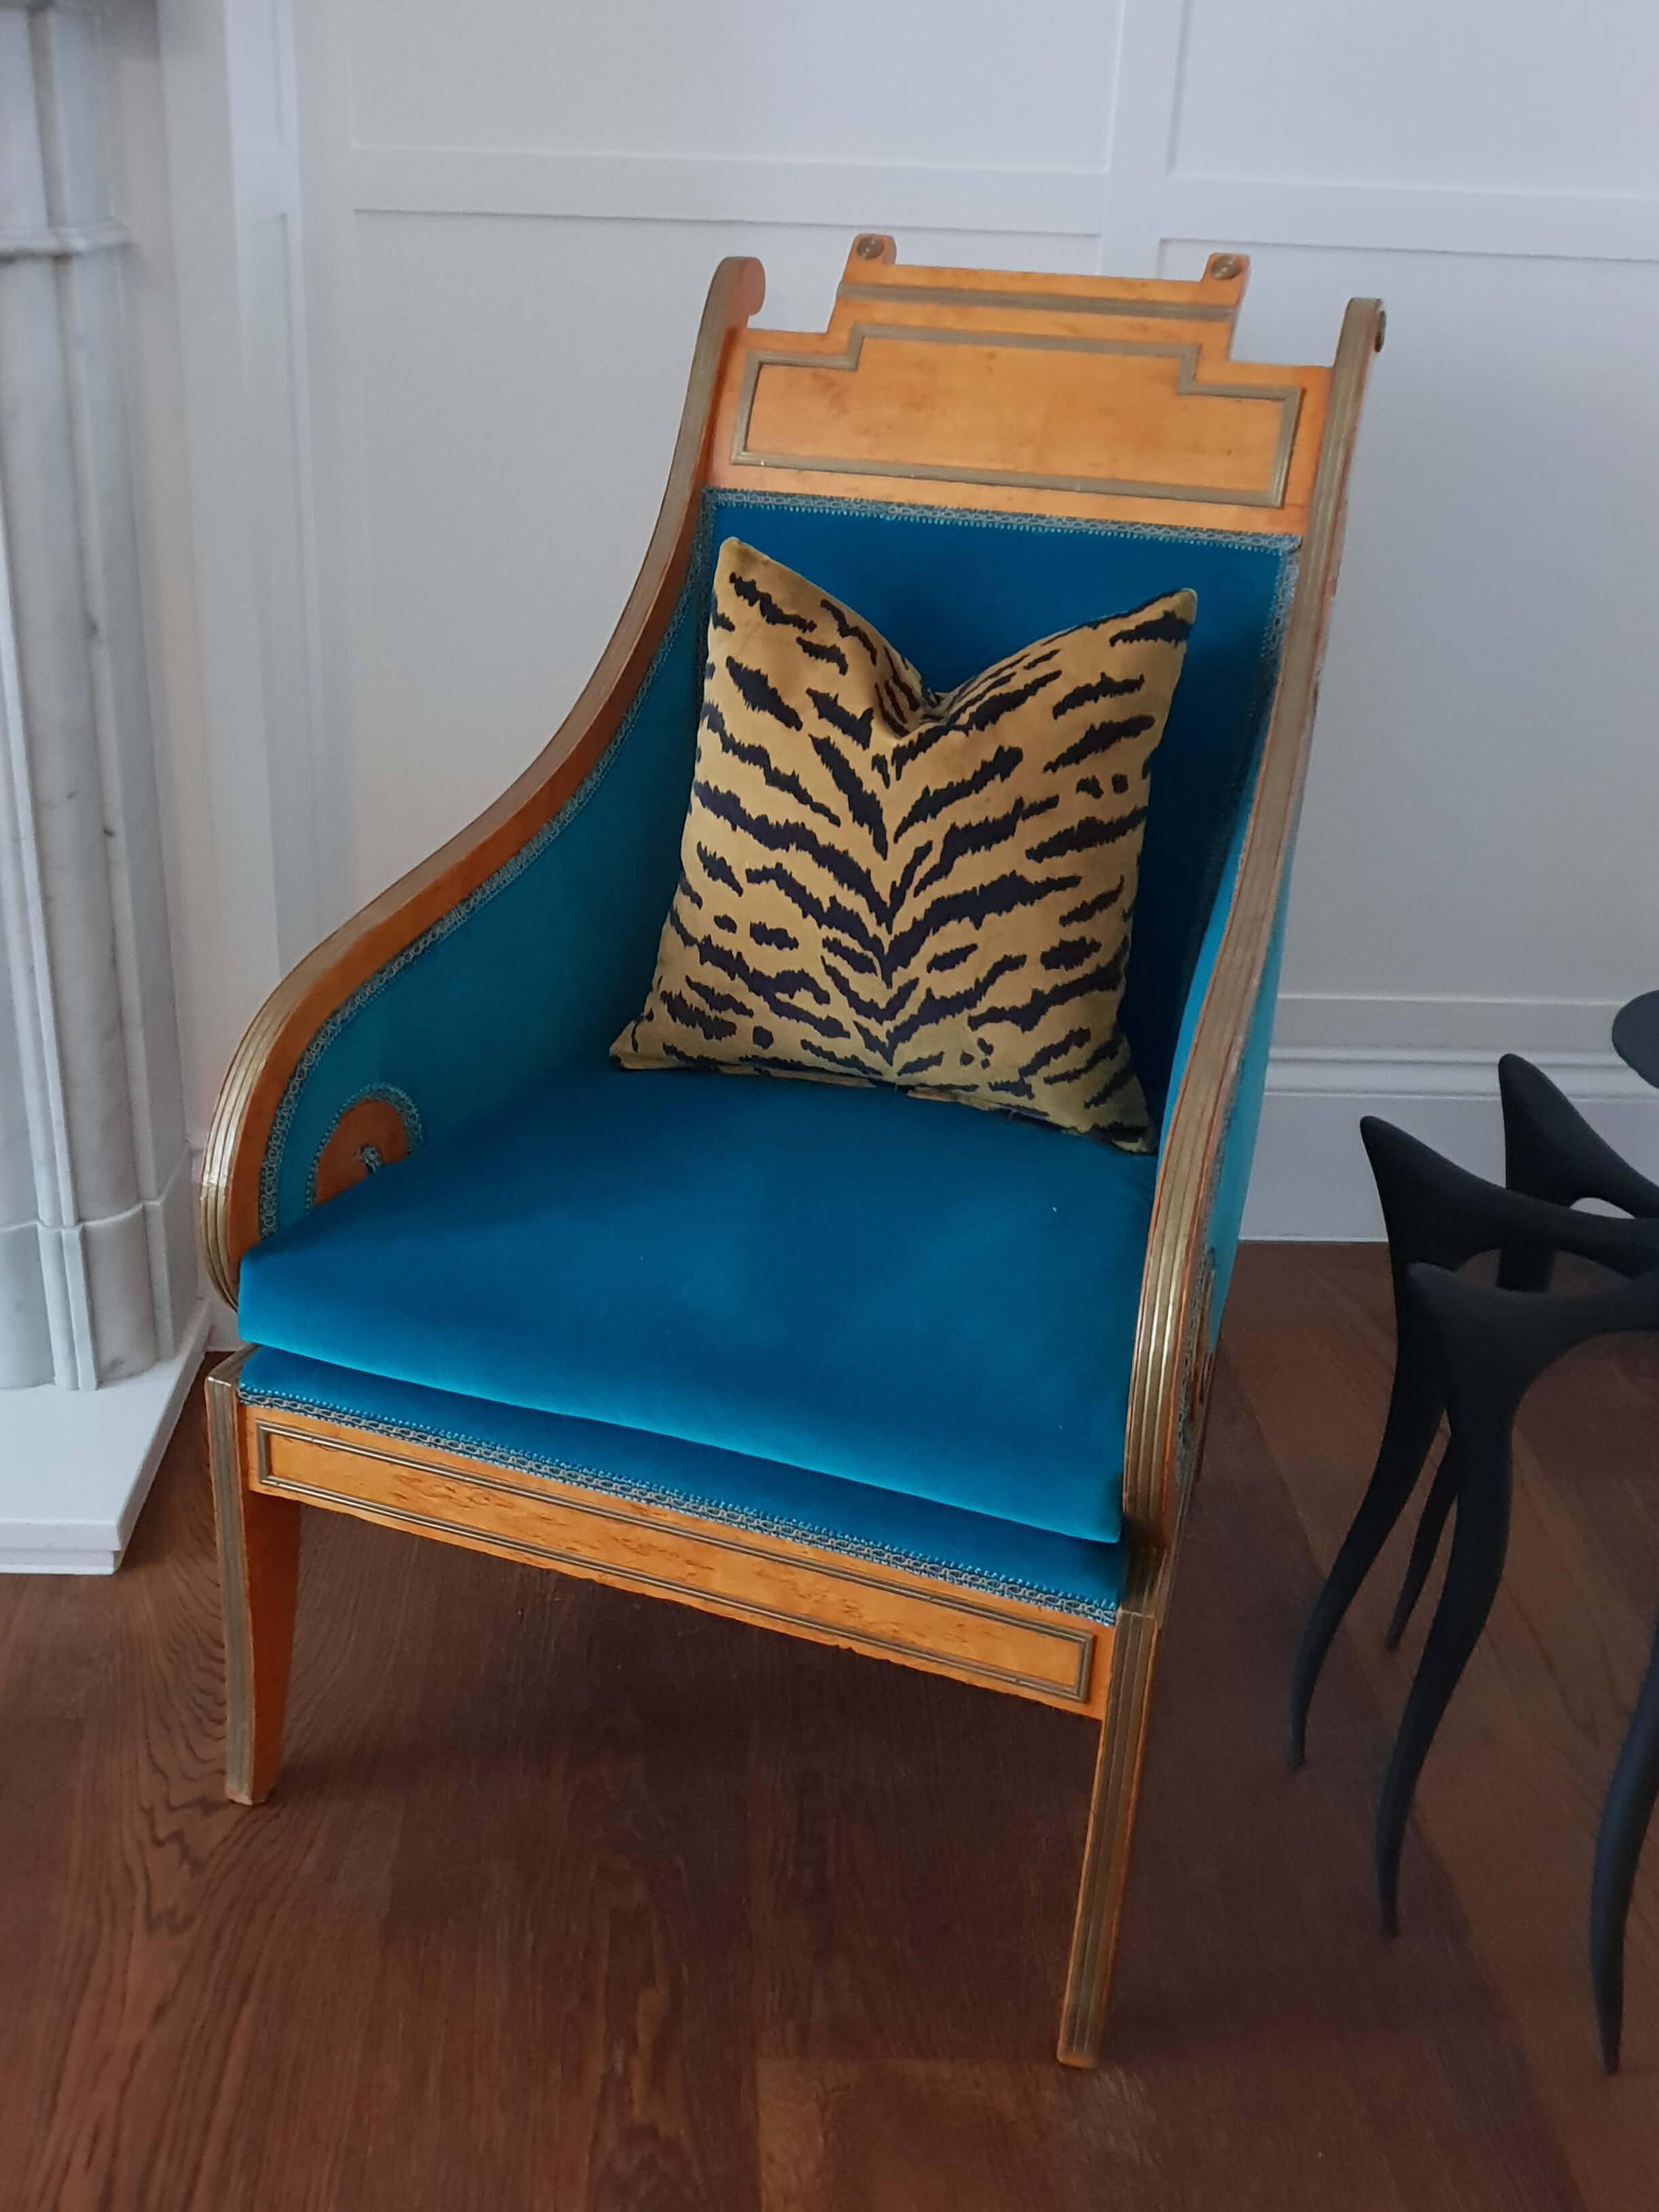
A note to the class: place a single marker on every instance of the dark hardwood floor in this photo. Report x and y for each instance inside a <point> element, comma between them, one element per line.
<point>569,1899</point>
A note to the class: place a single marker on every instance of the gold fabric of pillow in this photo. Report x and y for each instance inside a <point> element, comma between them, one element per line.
<point>880,884</point>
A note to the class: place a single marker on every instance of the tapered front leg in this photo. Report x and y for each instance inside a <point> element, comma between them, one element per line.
<point>258,1565</point>
<point>1106,1847</point>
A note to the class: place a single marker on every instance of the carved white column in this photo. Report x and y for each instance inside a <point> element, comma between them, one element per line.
<point>94,1169</point>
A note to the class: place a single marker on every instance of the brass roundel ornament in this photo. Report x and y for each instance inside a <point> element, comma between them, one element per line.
<point>370,1131</point>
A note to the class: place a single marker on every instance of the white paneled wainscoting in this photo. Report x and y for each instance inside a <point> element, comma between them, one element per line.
<point>439,275</point>
<point>1430,1066</point>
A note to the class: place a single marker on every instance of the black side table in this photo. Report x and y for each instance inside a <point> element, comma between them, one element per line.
<point>1471,1350</point>
<point>1636,1036</point>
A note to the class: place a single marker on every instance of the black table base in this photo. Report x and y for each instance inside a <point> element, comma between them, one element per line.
<point>1471,1350</point>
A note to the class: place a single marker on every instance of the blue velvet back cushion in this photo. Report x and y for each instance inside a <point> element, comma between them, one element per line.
<point>541,966</point>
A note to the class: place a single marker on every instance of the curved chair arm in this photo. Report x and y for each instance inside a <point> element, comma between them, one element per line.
<point>286,1026</point>
<point>1209,1130</point>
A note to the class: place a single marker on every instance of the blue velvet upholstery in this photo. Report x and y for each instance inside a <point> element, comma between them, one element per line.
<point>969,1549</point>
<point>539,968</point>
<point>1238,1145</point>
<point>885,1289</point>
<point>955,592</point>
<point>812,1284</point>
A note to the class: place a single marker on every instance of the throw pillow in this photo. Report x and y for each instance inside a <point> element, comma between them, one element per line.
<point>880,884</point>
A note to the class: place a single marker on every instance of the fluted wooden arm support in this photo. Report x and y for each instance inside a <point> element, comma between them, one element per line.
<point>394,925</point>
<point>1211,1127</point>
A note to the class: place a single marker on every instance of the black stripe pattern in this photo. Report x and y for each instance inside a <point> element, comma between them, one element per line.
<point>882,884</point>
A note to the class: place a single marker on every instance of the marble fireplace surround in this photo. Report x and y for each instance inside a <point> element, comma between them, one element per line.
<point>102,1320</point>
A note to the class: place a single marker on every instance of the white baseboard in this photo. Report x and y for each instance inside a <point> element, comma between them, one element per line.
<point>78,1464</point>
<point>1430,1066</point>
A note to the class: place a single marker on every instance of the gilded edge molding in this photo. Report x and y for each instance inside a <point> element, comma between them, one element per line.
<point>1197,1127</point>
<point>1079,1643</point>
<point>1043,303</point>
<point>1286,396</point>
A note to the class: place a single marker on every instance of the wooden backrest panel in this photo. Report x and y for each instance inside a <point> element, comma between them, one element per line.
<point>1105,398</point>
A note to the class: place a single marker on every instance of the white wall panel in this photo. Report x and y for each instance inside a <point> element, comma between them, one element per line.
<point>1521,95</point>
<point>864,81</point>
<point>523,384</point>
<point>511,213</point>
<point>1485,783</point>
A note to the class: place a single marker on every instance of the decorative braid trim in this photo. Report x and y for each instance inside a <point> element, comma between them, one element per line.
<point>979,518</point>
<point>704,1507</point>
<point>407,1111</point>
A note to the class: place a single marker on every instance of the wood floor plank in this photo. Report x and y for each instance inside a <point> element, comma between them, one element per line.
<point>1511,1793</point>
<point>569,1899</point>
<point>874,1797</point>
<point>1266,2048</point>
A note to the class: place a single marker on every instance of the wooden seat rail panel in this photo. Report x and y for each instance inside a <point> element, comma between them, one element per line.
<point>978,1637</point>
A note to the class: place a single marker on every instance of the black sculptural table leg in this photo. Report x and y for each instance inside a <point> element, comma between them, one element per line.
<point>1431,1527</point>
<point>1437,1213</point>
<point>1484,1373</point>
<point>1492,1345</point>
<point>1474,1351</point>
<point>1427,1218</point>
<point>1625,1818</point>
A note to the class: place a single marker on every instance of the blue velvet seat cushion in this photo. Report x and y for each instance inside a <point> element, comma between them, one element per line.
<point>850,1282</point>
<point>969,1549</point>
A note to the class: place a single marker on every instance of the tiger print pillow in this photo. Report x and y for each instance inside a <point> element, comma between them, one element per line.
<point>883,885</point>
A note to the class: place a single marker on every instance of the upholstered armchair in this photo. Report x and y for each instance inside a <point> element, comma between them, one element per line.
<point>925,1383</point>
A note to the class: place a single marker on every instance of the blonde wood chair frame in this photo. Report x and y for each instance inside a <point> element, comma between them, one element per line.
<point>1106,399</point>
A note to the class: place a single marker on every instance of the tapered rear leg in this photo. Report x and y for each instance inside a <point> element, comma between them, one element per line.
<point>1625,1820</point>
<point>1106,1848</point>
<point>258,1565</point>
